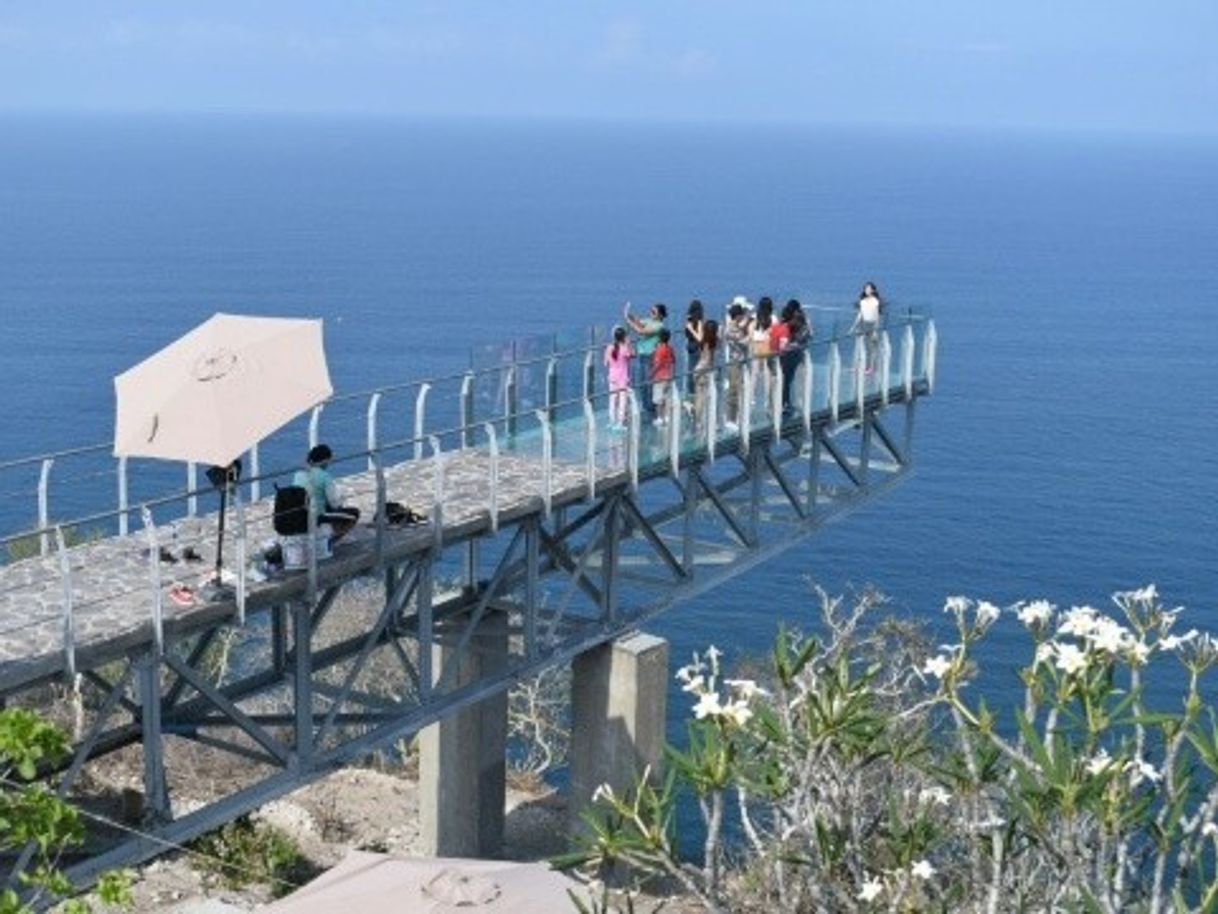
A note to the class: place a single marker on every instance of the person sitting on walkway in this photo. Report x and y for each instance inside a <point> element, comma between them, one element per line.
<point>323,493</point>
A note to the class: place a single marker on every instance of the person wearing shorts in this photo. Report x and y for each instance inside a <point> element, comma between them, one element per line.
<point>323,493</point>
<point>663,370</point>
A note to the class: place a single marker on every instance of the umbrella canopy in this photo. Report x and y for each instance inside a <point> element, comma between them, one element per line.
<point>380,884</point>
<point>221,388</point>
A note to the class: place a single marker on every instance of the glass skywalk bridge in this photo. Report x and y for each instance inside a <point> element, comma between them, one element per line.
<point>548,534</point>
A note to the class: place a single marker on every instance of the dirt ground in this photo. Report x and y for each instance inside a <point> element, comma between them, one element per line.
<point>353,808</point>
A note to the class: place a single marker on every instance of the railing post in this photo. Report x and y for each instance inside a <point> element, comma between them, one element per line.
<point>192,486</point>
<point>885,366</point>
<point>311,554</point>
<point>547,460</point>
<point>373,438</point>
<point>437,494</point>
<point>242,553</point>
<point>907,360</point>
<point>154,574</point>
<point>44,504</point>
<point>808,369</point>
<point>420,419</point>
<point>314,425</point>
<point>931,344</point>
<point>511,400</point>
<point>590,446</point>
<point>69,610</point>
<point>493,507</point>
<point>712,416</point>
<point>777,386</point>
<point>860,379</point>
<point>674,428</point>
<point>632,447</point>
<point>381,499</point>
<point>744,410</point>
<point>467,410</point>
<point>835,379</point>
<point>255,473</point>
<point>551,387</point>
<point>124,525</point>
<point>589,374</point>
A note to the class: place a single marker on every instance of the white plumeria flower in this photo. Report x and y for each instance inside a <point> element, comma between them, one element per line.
<point>1209,830</point>
<point>936,795</point>
<point>1140,771</point>
<point>713,654</point>
<point>746,688</point>
<point>708,706</point>
<point>1139,652</point>
<point>1109,636</point>
<point>696,684</point>
<point>987,614</point>
<point>956,605</point>
<point>1147,594</point>
<point>922,869</point>
<point>738,712</point>
<point>1079,621</point>
<point>1099,763</point>
<point>871,889</point>
<point>1036,613</point>
<point>1171,642</point>
<point>937,666</point>
<point>1045,653</point>
<point>1070,659</point>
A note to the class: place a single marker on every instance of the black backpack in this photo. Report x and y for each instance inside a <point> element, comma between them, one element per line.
<point>291,510</point>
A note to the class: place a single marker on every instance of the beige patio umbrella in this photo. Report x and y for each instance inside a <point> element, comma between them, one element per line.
<point>217,391</point>
<point>380,884</point>
<point>221,388</point>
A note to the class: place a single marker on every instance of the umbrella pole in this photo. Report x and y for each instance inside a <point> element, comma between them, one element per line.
<point>220,542</point>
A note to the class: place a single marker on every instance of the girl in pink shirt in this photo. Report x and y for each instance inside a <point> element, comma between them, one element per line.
<point>617,359</point>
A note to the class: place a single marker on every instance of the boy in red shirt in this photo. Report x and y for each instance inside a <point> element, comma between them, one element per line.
<point>663,368</point>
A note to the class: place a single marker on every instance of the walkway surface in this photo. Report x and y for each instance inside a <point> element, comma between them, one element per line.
<point>112,578</point>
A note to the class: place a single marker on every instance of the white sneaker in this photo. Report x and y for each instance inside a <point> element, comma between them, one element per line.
<point>660,422</point>
<point>731,427</point>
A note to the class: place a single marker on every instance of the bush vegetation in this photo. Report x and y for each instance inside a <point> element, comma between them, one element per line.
<point>862,772</point>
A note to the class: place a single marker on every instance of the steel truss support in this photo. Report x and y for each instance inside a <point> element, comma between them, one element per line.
<point>623,556</point>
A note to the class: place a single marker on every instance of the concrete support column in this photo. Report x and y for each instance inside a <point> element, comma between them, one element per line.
<point>463,758</point>
<point>618,704</point>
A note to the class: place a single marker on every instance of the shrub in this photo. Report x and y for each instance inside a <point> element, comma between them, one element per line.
<point>862,776</point>
<point>244,852</point>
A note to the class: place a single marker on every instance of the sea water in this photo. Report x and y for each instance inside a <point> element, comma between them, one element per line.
<point>1070,448</point>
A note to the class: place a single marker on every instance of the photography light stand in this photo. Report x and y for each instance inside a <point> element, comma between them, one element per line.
<point>222,478</point>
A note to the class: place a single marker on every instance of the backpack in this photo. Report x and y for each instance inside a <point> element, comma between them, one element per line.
<point>291,516</point>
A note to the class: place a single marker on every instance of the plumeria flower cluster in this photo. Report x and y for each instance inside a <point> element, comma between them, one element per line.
<point>729,702</point>
<point>874,886</point>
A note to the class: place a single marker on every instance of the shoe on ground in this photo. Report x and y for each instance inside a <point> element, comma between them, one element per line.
<point>731,428</point>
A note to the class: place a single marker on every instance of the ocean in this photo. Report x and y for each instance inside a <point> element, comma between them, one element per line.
<point>1070,449</point>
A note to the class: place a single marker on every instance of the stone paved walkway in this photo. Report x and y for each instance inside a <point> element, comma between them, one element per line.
<point>112,582</point>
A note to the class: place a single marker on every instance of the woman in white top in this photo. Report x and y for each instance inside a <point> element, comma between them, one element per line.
<point>869,308</point>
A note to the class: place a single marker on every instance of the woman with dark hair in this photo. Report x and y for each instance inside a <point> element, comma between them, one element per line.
<point>617,362</point>
<point>323,493</point>
<point>869,310</point>
<point>704,370</point>
<point>762,369</point>
<point>694,322</point>
<point>794,339</point>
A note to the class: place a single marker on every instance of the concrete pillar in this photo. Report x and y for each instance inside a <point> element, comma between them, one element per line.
<point>619,700</point>
<point>463,758</point>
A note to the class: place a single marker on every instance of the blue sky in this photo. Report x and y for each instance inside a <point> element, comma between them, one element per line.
<point>1094,64</point>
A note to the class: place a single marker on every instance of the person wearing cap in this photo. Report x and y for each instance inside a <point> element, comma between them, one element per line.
<point>323,493</point>
<point>647,333</point>
<point>737,334</point>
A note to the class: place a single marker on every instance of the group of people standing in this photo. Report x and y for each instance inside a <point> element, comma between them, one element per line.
<point>758,341</point>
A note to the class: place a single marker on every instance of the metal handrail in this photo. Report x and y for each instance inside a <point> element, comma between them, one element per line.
<point>423,436</point>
